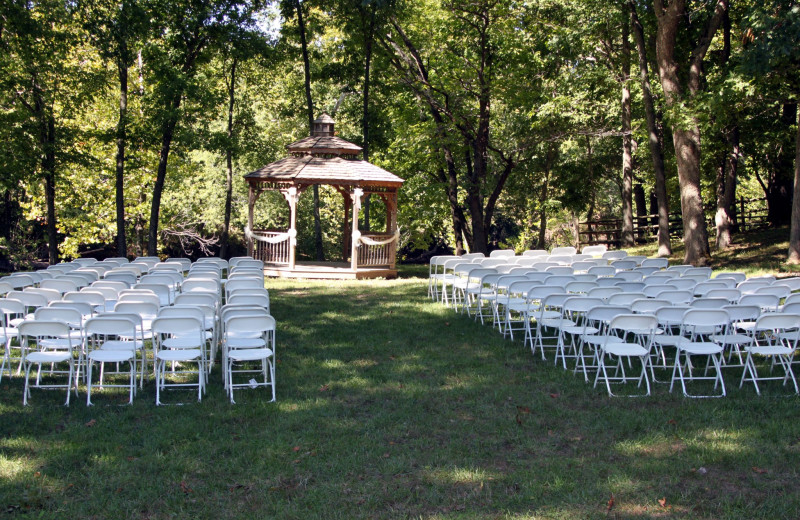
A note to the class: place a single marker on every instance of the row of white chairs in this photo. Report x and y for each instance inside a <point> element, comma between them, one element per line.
<point>198,303</point>
<point>565,306</point>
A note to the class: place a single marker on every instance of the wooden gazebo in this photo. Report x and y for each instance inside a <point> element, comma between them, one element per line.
<point>325,159</point>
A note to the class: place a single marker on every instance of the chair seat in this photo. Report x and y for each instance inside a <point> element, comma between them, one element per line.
<point>246,343</point>
<point>121,345</point>
<point>48,357</point>
<point>558,323</point>
<point>732,339</point>
<point>182,343</point>
<point>625,349</point>
<point>579,329</point>
<point>700,348</point>
<point>792,335</point>
<point>111,356</point>
<point>190,354</point>
<point>250,354</point>
<point>668,340</point>
<point>774,350</point>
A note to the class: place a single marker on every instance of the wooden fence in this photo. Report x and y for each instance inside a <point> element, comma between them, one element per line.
<point>750,214</point>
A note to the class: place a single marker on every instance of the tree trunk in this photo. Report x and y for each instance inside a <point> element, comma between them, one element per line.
<point>543,211</point>
<point>47,141</point>
<point>167,133</point>
<point>543,198</point>
<point>627,153</point>
<point>794,232</point>
<point>654,137</point>
<point>49,167</point>
<point>641,210</point>
<point>686,136</point>
<point>226,225</point>
<point>726,190</point>
<point>779,185</point>
<point>122,244</point>
<point>476,170</point>
<point>318,249</point>
<point>368,39</point>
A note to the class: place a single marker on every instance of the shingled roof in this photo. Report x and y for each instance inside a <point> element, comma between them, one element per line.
<point>309,169</point>
<point>324,158</point>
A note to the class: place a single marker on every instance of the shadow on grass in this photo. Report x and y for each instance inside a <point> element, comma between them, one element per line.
<point>390,406</point>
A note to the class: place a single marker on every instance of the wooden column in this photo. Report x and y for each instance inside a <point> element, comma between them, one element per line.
<point>356,196</point>
<point>346,225</point>
<point>251,202</point>
<point>291,196</point>
<point>391,223</point>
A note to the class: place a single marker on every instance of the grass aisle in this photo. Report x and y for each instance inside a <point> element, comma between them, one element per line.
<point>390,406</point>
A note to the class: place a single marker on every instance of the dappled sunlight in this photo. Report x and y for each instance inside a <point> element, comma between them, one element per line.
<point>458,475</point>
<point>16,458</point>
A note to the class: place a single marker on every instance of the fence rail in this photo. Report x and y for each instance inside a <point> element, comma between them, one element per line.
<point>377,255</point>
<point>271,253</point>
<point>750,214</point>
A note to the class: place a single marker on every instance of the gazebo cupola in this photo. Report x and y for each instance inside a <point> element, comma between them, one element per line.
<point>323,126</point>
<point>326,159</point>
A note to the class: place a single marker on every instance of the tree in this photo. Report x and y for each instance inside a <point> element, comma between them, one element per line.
<point>654,134</point>
<point>43,79</point>
<point>477,73</point>
<point>115,30</point>
<point>772,58</point>
<point>679,93</point>
<point>187,29</point>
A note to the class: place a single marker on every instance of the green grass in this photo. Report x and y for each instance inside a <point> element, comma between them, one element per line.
<point>390,406</point>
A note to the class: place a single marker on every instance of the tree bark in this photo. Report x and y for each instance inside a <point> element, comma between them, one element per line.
<point>226,225</point>
<point>122,243</point>
<point>368,39</point>
<point>726,190</point>
<point>543,198</point>
<point>318,249</point>
<point>794,231</point>
<point>627,239</point>
<point>654,137</point>
<point>167,133</point>
<point>47,141</point>
<point>640,201</point>
<point>686,136</point>
<point>779,183</point>
<point>49,167</point>
<point>727,168</point>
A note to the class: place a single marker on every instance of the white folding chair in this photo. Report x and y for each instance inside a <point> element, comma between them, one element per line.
<point>35,336</point>
<point>629,336</point>
<point>249,339</point>
<point>596,322</point>
<point>108,341</point>
<point>698,328</point>
<point>12,312</point>
<point>179,340</point>
<point>574,310</point>
<point>771,339</point>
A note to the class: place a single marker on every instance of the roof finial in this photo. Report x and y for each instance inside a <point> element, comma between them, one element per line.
<point>323,126</point>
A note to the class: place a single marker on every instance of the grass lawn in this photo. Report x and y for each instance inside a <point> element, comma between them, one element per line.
<point>390,406</point>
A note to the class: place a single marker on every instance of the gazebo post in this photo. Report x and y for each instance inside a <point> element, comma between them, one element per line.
<point>345,225</point>
<point>357,194</point>
<point>251,202</point>
<point>291,196</point>
<point>391,222</point>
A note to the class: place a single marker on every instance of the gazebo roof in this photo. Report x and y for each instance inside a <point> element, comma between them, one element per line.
<point>321,145</point>
<point>324,158</point>
<point>312,169</point>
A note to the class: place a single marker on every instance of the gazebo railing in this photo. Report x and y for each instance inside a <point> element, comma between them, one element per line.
<point>271,252</point>
<point>375,255</point>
